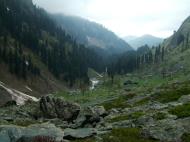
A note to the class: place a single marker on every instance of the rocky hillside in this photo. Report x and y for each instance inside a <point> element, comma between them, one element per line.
<point>180,37</point>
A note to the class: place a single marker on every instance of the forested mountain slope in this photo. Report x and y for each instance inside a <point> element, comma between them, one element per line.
<point>92,34</point>
<point>34,50</point>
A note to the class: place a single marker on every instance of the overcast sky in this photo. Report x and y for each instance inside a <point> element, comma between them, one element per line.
<point>126,17</point>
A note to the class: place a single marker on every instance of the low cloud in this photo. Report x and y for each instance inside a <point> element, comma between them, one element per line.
<point>126,17</point>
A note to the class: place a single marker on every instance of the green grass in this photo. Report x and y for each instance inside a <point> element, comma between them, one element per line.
<point>134,115</point>
<point>186,137</point>
<point>117,103</point>
<point>119,118</point>
<point>141,102</point>
<point>98,94</point>
<point>125,135</point>
<point>171,95</point>
<point>159,116</point>
<point>181,111</point>
<point>24,122</point>
<point>121,135</point>
<point>105,91</point>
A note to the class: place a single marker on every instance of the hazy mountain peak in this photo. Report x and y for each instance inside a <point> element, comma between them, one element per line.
<point>148,39</point>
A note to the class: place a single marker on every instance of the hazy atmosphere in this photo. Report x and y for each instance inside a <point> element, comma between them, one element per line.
<point>126,17</point>
<point>94,71</point>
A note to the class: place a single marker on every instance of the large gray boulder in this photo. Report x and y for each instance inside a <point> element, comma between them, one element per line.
<point>58,108</point>
<point>12,133</point>
<point>167,129</point>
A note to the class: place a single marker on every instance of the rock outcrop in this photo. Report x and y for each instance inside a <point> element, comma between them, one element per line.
<point>91,116</point>
<point>58,108</point>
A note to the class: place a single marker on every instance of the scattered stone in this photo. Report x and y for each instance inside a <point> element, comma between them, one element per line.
<point>100,110</point>
<point>92,117</point>
<point>124,124</point>
<point>145,121</point>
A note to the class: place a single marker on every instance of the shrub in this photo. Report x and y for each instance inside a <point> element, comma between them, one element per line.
<point>185,137</point>
<point>181,111</point>
<point>159,116</point>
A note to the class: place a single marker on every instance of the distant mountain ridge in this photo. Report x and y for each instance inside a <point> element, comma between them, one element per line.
<point>149,40</point>
<point>129,38</point>
<point>91,33</point>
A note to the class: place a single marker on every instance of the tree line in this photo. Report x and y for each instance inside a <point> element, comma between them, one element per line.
<point>18,63</point>
<point>134,60</point>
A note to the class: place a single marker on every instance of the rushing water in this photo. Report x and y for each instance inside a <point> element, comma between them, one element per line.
<point>94,83</point>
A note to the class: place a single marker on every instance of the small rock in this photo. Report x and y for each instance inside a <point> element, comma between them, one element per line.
<point>100,110</point>
<point>184,99</point>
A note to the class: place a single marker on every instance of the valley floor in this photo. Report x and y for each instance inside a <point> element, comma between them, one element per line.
<point>148,108</point>
<point>144,106</point>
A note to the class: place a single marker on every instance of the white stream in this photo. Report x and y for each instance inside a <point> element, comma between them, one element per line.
<point>94,83</point>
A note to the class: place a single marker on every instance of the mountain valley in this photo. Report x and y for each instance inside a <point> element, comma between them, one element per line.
<point>67,79</point>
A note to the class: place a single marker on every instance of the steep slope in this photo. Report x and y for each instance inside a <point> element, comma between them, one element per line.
<point>92,34</point>
<point>35,53</point>
<point>181,36</point>
<point>146,39</point>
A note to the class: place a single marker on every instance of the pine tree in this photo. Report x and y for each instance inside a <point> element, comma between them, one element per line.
<point>11,61</point>
<point>150,57</point>
<point>163,53</point>
<point>24,68</point>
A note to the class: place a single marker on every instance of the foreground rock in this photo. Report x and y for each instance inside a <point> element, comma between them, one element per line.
<point>58,108</point>
<point>71,134</point>
<point>90,116</point>
<point>165,130</point>
<point>11,133</point>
